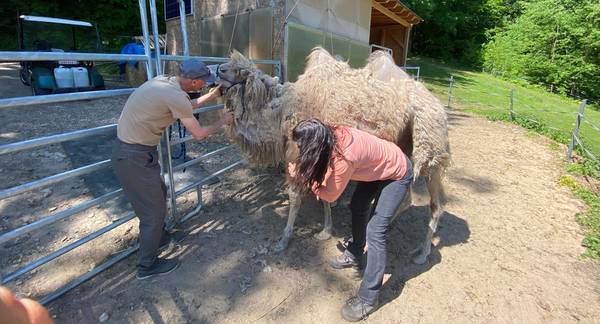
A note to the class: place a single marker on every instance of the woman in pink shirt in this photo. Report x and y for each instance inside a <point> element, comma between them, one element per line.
<point>329,157</point>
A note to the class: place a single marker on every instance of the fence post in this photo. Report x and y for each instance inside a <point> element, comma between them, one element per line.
<point>510,107</point>
<point>576,130</point>
<point>450,82</point>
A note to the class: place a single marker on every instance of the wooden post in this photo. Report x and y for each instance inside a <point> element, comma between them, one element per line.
<point>406,43</point>
<point>450,82</point>
<point>510,107</point>
<point>576,130</point>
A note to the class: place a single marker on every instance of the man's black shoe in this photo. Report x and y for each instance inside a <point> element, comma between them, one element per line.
<point>159,268</point>
<point>356,309</point>
<point>345,260</point>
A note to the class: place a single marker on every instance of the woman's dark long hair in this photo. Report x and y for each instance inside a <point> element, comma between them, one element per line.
<point>316,142</point>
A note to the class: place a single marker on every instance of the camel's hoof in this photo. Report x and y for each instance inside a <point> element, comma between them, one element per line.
<point>323,235</point>
<point>282,244</point>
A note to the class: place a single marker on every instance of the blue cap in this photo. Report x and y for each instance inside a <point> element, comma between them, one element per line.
<point>196,69</point>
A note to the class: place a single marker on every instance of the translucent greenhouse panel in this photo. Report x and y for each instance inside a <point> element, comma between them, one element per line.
<point>261,39</point>
<point>301,39</point>
<point>216,34</point>
<point>350,18</point>
<point>252,37</point>
<point>358,54</point>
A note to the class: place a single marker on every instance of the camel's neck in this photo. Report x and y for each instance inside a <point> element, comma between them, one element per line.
<point>261,132</point>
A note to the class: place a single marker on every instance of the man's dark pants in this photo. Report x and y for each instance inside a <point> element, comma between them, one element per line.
<point>371,227</point>
<point>137,169</point>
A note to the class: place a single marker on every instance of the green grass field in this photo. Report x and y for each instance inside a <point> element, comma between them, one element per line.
<point>534,108</point>
<point>484,94</point>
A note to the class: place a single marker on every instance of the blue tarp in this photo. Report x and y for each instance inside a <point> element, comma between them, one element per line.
<point>130,48</point>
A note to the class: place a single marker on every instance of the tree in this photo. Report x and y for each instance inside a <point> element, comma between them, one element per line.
<point>456,30</point>
<point>555,43</point>
<point>117,19</point>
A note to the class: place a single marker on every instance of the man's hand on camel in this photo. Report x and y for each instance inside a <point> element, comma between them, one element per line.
<point>214,92</point>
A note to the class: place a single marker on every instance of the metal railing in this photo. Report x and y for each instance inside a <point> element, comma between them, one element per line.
<point>167,169</point>
<point>383,48</point>
<point>65,97</point>
<point>59,138</point>
<point>416,76</point>
<point>542,115</point>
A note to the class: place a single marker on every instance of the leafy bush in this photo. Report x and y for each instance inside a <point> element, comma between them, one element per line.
<point>555,43</point>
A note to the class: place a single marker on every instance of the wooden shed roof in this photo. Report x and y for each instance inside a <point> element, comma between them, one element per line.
<point>392,12</point>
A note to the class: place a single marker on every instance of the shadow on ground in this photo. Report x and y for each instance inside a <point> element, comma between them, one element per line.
<point>228,255</point>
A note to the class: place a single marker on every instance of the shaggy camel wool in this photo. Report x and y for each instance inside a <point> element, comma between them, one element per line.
<point>380,99</point>
<point>396,108</point>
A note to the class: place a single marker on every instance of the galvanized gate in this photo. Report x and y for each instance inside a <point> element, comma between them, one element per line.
<point>153,67</point>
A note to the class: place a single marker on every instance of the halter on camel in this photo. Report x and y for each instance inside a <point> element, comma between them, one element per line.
<point>232,84</point>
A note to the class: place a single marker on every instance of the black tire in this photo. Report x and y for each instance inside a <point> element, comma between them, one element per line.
<point>25,76</point>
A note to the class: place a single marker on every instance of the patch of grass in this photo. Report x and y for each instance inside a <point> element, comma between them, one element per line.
<point>532,134</point>
<point>534,108</point>
<point>484,94</point>
<point>554,146</point>
<point>584,168</point>
<point>590,219</point>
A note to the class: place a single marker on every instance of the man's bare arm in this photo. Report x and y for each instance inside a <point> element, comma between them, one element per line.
<point>212,94</point>
<point>201,132</point>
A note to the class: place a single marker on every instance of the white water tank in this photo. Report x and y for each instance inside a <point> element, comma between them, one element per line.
<point>64,77</point>
<point>80,76</point>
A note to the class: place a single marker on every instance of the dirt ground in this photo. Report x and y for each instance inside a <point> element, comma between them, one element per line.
<point>507,249</point>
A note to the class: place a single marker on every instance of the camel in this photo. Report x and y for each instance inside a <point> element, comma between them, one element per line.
<point>379,98</point>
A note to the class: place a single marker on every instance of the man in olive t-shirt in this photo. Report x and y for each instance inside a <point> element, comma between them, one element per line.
<point>150,109</point>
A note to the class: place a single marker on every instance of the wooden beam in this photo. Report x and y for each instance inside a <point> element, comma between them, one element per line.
<point>385,25</point>
<point>406,16</point>
<point>406,43</point>
<point>389,13</point>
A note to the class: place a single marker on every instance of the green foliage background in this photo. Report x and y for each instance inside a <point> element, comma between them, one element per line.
<point>553,43</point>
<point>117,19</point>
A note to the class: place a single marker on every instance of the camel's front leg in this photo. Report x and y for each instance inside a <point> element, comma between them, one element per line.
<point>295,200</point>
<point>325,234</point>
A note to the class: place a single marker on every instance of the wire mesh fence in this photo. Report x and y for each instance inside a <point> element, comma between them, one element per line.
<point>577,125</point>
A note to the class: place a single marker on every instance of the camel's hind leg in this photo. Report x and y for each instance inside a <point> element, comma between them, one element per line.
<point>325,234</point>
<point>295,200</point>
<point>434,185</point>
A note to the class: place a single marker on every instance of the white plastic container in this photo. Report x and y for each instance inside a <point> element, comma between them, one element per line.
<point>80,77</point>
<point>64,77</point>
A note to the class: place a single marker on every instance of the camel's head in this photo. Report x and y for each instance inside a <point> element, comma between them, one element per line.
<point>235,71</point>
<point>248,92</point>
